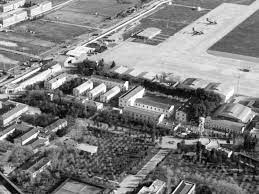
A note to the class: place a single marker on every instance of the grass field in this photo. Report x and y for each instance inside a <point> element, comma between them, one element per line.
<point>209,4</point>
<point>170,19</point>
<point>243,40</point>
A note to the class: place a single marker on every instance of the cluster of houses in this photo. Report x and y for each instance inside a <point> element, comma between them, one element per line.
<point>15,11</point>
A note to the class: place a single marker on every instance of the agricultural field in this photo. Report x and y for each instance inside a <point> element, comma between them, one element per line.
<point>243,40</point>
<point>170,19</point>
<point>211,4</point>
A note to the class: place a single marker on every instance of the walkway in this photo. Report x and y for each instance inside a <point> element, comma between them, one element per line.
<point>132,181</point>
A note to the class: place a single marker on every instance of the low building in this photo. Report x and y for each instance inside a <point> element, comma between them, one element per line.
<point>25,138</point>
<point>225,91</point>
<point>39,142</point>
<point>110,83</point>
<point>81,89</point>
<point>154,106</point>
<point>7,131</point>
<point>120,69</point>
<point>38,167</point>
<point>55,82</point>
<point>12,114</point>
<point>93,104</point>
<point>87,148</point>
<point>129,98</point>
<point>144,116</point>
<point>194,83</point>
<point>11,5</point>
<point>149,33</point>
<point>39,9</point>
<point>54,127</point>
<point>110,94</point>
<point>157,187</point>
<point>97,91</point>
<point>185,187</point>
<point>79,51</point>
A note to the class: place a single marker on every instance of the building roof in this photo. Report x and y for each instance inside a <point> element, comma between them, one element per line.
<point>61,76</point>
<point>142,111</point>
<point>54,125</point>
<point>156,185</point>
<point>183,188</point>
<point>83,85</point>
<point>120,69</point>
<point>195,83</point>
<point>38,142</point>
<point>149,32</point>
<point>132,92</point>
<point>36,166</point>
<point>98,88</point>
<point>114,90</point>
<point>7,130</point>
<point>149,102</point>
<point>235,111</point>
<point>220,88</point>
<point>17,108</point>
<point>87,148</point>
<point>29,134</point>
<point>78,51</point>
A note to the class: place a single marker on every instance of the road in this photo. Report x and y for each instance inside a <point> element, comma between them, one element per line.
<point>20,53</point>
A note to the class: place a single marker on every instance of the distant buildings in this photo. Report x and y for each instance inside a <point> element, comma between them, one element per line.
<point>81,89</point>
<point>53,127</point>
<point>10,19</point>
<point>157,187</point>
<point>55,82</point>
<point>25,138</point>
<point>110,83</point>
<point>142,115</point>
<point>39,166</point>
<point>110,94</point>
<point>13,113</point>
<point>129,98</point>
<point>185,187</point>
<point>154,106</point>
<point>11,5</point>
<point>97,91</point>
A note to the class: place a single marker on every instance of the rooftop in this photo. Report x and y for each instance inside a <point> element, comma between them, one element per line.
<point>141,111</point>
<point>113,90</point>
<point>195,83</point>
<point>183,188</point>
<point>221,88</point>
<point>153,103</point>
<point>83,85</point>
<point>78,51</point>
<point>17,108</point>
<point>87,148</point>
<point>28,134</point>
<point>54,125</point>
<point>120,69</point>
<point>61,76</point>
<point>131,92</point>
<point>234,111</point>
<point>38,142</point>
<point>97,88</point>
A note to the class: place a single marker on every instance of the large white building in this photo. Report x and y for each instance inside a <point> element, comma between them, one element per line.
<point>97,91</point>
<point>110,83</point>
<point>12,114</point>
<point>143,116</point>
<point>25,138</point>
<point>110,94</point>
<point>55,82</point>
<point>11,5</point>
<point>129,98</point>
<point>39,9</point>
<point>81,89</point>
<point>225,91</point>
<point>157,187</point>
<point>154,106</point>
<point>10,19</point>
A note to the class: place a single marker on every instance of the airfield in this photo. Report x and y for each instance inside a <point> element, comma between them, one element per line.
<point>186,55</point>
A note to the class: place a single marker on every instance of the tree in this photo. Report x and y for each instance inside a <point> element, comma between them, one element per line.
<point>203,189</point>
<point>113,65</point>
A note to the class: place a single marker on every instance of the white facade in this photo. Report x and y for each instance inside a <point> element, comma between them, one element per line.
<point>225,91</point>
<point>110,83</point>
<point>129,98</point>
<point>55,82</point>
<point>81,89</point>
<point>110,94</point>
<point>14,18</point>
<point>154,106</point>
<point>39,9</point>
<point>97,91</point>
<point>11,5</point>
<point>13,114</point>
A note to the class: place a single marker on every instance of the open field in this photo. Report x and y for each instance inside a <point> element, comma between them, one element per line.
<point>211,4</point>
<point>243,40</point>
<point>170,19</point>
<point>54,2</point>
<point>186,55</point>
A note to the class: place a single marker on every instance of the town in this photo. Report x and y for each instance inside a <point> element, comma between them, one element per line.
<point>110,105</point>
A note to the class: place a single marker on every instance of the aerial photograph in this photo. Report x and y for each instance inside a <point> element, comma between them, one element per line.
<point>129,96</point>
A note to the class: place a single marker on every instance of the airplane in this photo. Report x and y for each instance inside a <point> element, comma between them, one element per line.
<point>195,32</point>
<point>211,22</point>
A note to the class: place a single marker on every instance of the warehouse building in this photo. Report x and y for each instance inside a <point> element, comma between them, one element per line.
<point>97,91</point>
<point>129,98</point>
<point>12,114</point>
<point>194,83</point>
<point>55,82</point>
<point>110,83</point>
<point>143,116</point>
<point>110,94</point>
<point>154,106</point>
<point>81,89</point>
<point>11,5</point>
<point>148,33</point>
<point>39,9</point>
<point>225,91</point>
<point>25,138</point>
